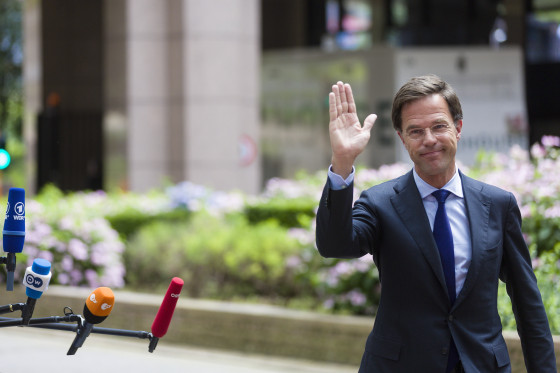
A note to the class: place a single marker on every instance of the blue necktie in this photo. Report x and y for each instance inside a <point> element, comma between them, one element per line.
<point>444,241</point>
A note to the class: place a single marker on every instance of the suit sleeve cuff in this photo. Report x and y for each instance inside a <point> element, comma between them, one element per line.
<point>337,182</point>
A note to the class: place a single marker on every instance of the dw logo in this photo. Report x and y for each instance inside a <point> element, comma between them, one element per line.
<point>31,280</point>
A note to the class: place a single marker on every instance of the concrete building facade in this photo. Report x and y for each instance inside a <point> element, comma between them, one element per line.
<point>174,85</point>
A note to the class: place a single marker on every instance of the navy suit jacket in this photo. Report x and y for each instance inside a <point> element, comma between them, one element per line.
<point>415,319</point>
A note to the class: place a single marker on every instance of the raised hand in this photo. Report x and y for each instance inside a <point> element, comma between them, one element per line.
<point>348,137</point>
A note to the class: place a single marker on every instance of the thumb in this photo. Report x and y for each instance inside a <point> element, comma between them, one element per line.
<point>370,120</point>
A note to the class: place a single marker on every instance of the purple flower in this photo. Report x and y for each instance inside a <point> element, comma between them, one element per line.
<point>342,268</point>
<point>37,232</point>
<point>332,280</point>
<point>66,223</point>
<point>517,153</point>
<point>47,255</point>
<point>101,253</point>
<point>187,194</point>
<point>329,303</point>
<point>31,252</point>
<point>219,202</point>
<point>527,238</point>
<point>67,264</point>
<point>552,212</point>
<point>356,298</point>
<point>293,261</point>
<point>63,278</point>
<point>78,249</point>
<point>549,141</point>
<point>92,278</point>
<point>57,245</point>
<point>304,236</point>
<point>76,277</point>
<point>538,151</point>
<point>113,276</point>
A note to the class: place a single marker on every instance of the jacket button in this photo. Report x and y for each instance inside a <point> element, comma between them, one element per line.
<point>444,351</point>
<point>450,318</point>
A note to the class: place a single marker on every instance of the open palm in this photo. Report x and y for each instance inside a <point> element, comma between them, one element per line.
<point>348,137</point>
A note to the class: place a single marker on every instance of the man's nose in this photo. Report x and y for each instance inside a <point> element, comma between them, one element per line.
<point>429,136</point>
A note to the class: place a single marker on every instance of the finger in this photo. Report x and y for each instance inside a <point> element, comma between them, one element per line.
<point>350,98</point>
<point>370,120</point>
<point>343,100</point>
<point>332,107</point>
<point>338,104</point>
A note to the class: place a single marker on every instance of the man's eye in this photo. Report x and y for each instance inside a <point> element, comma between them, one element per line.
<point>416,132</point>
<point>440,127</point>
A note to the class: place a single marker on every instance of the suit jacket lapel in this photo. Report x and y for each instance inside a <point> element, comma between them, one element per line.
<point>408,204</point>
<point>477,204</point>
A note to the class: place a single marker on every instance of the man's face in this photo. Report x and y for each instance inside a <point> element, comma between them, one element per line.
<point>430,136</point>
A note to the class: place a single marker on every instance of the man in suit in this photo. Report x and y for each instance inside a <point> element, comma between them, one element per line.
<point>439,255</point>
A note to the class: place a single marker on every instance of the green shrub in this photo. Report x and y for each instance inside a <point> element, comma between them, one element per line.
<point>217,257</point>
<point>81,245</point>
<point>547,271</point>
<point>533,179</point>
<point>289,213</point>
<point>129,221</point>
<point>351,286</point>
<point>226,248</point>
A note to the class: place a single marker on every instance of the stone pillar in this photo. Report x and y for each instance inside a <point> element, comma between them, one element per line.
<point>32,86</point>
<point>193,93</point>
<point>221,85</point>
<point>147,92</point>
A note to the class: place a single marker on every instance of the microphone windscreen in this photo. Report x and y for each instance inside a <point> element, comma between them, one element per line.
<point>14,223</point>
<point>37,278</point>
<point>99,305</point>
<point>165,312</point>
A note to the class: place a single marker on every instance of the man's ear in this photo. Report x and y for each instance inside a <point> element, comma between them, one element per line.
<point>401,137</point>
<point>459,128</point>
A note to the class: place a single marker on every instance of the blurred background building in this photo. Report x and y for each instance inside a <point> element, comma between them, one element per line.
<point>229,93</point>
<point>148,91</point>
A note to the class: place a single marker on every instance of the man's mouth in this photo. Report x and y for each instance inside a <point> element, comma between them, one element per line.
<point>431,153</point>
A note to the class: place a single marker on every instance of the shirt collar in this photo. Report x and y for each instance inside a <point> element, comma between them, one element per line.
<point>454,185</point>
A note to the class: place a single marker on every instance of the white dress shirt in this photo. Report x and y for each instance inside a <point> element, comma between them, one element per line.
<point>456,212</point>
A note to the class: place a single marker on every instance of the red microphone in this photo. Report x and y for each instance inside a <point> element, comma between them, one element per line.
<point>165,312</point>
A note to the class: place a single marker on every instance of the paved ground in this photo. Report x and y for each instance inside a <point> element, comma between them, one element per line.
<point>30,349</point>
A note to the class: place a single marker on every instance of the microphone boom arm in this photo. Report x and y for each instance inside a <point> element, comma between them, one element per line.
<point>55,323</point>
<point>12,307</point>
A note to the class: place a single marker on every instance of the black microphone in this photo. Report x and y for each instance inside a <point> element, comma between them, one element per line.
<point>36,281</point>
<point>14,232</point>
<point>98,306</point>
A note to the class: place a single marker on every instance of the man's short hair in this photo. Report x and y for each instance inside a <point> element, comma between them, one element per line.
<point>423,86</point>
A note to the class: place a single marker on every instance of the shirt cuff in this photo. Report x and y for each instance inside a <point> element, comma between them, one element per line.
<point>337,182</point>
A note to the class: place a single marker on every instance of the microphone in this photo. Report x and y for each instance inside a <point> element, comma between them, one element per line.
<point>165,312</point>
<point>36,281</point>
<point>98,306</point>
<point>14,232</point>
